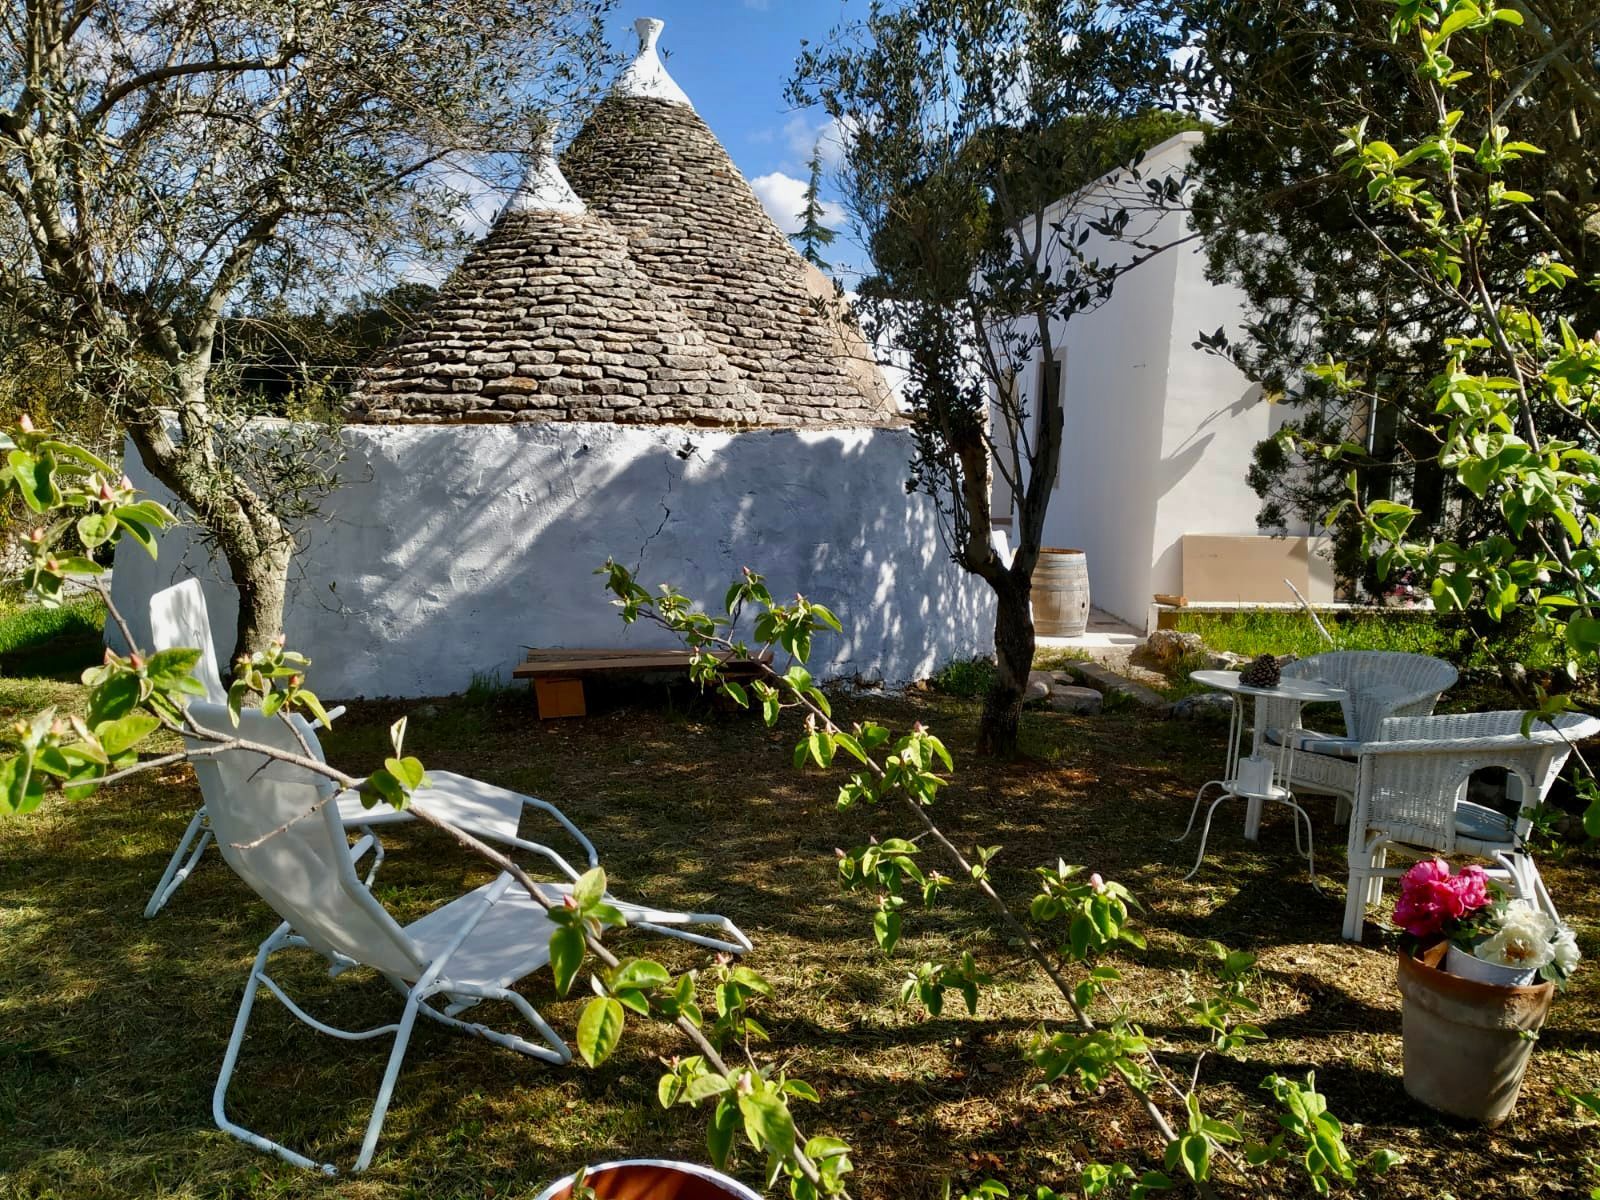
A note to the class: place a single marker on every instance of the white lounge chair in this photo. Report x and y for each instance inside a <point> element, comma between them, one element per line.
<point>467,951</point>
<point>178,618</point>
<point>1411,793</point>
<point>1378,684</point>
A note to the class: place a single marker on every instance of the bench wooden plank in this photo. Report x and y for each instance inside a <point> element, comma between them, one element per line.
<point>583,662</point>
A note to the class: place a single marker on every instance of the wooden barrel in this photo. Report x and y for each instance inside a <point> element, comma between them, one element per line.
<point>1061,593</point>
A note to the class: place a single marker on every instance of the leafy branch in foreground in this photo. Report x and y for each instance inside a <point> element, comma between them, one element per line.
<point>1077,917</point>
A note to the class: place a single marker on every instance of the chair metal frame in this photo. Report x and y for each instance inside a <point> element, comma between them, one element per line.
<point>248,793</point>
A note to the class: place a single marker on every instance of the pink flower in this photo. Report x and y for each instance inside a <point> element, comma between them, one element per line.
<point>1430,897</point>
<point>1473,888</point>
<point>1096,882</point>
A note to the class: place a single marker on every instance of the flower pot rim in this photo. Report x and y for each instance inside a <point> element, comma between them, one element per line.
<point>1424,966</point>
<point>1057,550</point>
<point>735,1189</point>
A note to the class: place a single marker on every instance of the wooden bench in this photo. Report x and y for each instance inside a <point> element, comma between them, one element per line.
<point>557,675</point>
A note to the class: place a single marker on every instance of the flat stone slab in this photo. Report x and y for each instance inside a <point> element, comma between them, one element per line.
<point>1108,681</point>
<point>1069,699</point>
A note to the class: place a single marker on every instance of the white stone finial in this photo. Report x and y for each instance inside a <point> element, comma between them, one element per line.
<point>544,188</point>
<point>646,76</point>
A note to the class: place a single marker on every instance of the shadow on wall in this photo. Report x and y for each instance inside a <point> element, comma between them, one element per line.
<point>464,544</point>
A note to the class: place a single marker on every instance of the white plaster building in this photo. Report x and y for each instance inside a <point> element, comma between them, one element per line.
<point>631,365</point>
<point>1157,436</point>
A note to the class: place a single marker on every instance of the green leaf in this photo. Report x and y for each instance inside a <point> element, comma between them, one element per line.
<point>767,1123</point>
<point>600,1029</point>
<point>116,737</point>
<point>407,770</point>
<point>35,479</point>
<point>139,532</point>
<point>719,1138</point>
<point>1591,818</point>
<point>590,889</point>
<point>708,1084</point>
<point>802,1089</point>
<point>1194,1155</point>
<point>566,956</point>
<point>16,781</point>
<point>115,698</point>
<point>886,929</point>
<point>168,669</point>
<point>736,693</point>
<point>387,789</point>
<point>96,528</point>
<point>632,1000</point>
<point>641,973</point>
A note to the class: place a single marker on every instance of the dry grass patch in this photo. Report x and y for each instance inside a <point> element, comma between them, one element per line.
<point>112,1028</point>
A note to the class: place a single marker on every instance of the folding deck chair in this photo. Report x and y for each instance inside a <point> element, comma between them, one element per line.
<point>178,618</point>
<point>279,828</point>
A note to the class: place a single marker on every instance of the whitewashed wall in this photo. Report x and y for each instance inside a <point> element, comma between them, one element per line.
<point>1157,436</point>
<point>450,548</point>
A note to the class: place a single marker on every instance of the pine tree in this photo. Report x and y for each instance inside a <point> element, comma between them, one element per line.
<point>813,233</point>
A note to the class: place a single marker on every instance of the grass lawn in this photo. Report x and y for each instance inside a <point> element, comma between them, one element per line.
<point>112,1027</point>
<point>60,641</point>
<point>1288,631</point>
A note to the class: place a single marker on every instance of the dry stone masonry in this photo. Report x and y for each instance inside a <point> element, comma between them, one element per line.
<point>549,319</point>
<point>652,289</point>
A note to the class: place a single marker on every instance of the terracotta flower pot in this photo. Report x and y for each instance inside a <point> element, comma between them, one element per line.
<point>1465,1053</point>
<point>650,1179</point>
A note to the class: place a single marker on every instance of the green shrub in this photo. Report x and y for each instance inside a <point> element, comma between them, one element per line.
<point>967,678</point>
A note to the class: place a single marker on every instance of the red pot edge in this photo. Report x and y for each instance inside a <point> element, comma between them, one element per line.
<point>661,1167</point>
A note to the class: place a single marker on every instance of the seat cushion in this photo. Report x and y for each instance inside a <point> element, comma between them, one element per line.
<point>1481,823</point>
<point>1309,741</point>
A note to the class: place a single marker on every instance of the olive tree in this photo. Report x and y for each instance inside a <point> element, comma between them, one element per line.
<point>968,119</point>
<point>164,167</point>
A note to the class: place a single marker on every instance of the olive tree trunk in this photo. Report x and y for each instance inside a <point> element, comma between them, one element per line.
<point>1013,652</point>
<point>252,539</point>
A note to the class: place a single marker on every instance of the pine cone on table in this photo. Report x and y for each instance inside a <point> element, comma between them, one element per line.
<point>1261,672</point>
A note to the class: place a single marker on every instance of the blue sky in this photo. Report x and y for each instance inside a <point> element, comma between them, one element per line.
<point>733,58</point>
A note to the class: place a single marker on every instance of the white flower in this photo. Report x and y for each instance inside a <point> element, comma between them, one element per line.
<point>1565,953</point>
<point>1524,938</point>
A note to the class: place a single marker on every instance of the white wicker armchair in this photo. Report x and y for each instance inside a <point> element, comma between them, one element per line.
<point>1411,792</point>
<point>1379,684</point>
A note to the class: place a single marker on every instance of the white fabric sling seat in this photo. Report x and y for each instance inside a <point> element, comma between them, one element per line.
<point>178,618</point>
<point>277,828</point>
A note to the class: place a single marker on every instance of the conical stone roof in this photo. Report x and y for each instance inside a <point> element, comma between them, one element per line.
<point>649,166</point>
<point>550,319</point>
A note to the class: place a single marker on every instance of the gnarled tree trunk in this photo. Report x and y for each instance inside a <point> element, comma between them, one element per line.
<point>250,536</point>
<point>1013,651</point>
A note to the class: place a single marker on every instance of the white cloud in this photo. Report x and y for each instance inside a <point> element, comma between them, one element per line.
<point>803,132</point>
<point>783,196</point>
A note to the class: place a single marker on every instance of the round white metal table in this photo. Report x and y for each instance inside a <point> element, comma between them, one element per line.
<point>1259,787</point>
